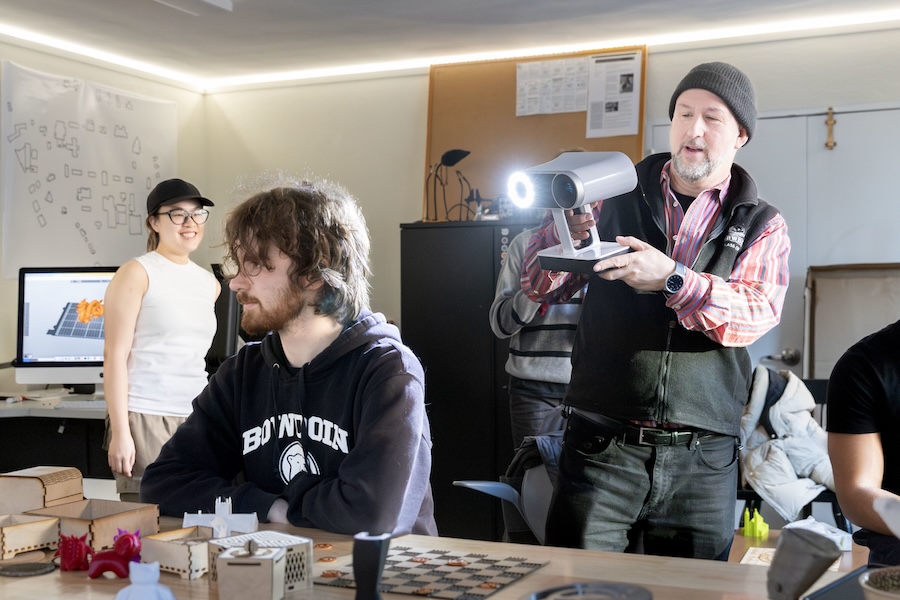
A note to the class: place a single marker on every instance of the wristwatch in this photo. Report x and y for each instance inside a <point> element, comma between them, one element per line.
<point>675,281</point>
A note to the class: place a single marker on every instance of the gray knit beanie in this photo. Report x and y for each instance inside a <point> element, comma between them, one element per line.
<point>726,82</point>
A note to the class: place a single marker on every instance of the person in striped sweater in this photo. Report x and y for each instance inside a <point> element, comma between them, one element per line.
<point>540,347</point>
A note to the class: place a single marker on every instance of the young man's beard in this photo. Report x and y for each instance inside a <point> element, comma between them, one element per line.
<point>285,308</point>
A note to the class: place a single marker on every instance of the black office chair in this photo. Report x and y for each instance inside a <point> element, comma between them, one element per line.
<point>752,501</point>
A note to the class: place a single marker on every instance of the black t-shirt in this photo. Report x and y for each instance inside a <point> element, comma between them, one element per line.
<point>864,395</point>
<point>684,200</point>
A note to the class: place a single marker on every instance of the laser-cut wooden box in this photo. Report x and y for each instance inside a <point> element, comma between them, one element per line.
<point>22,533</point>
<point>39,487</point>
<point>259,575</point>
<point>102,519</point>
<point>182,551</point>
<point>298,560</point>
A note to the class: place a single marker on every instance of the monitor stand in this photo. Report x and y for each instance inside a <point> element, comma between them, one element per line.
<point>83,389</point>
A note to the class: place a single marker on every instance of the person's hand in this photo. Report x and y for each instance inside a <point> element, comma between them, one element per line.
<point>278,511</point>
<point>121,453</point>
<point>645,268</point>
<point>580,223</point>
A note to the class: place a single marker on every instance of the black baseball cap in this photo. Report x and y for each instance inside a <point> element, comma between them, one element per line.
<point>173,190</point>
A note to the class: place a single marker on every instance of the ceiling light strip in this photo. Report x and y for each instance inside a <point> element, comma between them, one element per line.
<point>777,27</point>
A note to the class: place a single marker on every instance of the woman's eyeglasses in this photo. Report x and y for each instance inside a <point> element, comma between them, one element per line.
<point>180,217</point>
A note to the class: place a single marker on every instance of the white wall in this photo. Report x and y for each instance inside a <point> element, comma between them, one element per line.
<point>791,75</point>
<point>370,135</point>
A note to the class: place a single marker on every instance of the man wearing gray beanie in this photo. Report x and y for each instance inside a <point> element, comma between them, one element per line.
<point>729,84</point>
<point>660,369</point>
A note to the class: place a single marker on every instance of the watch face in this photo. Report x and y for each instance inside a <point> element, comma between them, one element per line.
<point>674,283</point>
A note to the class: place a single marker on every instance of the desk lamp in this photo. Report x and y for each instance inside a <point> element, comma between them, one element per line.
<point>438,174</point>
<point>571,181</point>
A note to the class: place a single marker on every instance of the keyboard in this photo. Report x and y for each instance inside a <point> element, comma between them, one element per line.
<point>81,404</point>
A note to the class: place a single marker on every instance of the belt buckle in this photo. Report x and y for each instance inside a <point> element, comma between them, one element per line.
<point>656,432</point>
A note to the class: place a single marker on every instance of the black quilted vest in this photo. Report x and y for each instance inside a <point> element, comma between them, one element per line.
<point>632,359</point>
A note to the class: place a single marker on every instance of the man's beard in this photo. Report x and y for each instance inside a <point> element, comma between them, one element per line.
<point>694,172</point>
<point>285,308</point>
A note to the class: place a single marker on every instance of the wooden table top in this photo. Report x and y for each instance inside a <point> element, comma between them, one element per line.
<point>666,578</point>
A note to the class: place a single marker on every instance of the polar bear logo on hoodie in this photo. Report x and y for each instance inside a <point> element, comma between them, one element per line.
<point>294,460</point>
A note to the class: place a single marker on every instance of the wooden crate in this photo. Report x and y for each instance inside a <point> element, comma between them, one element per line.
<point>259,575</point>
<point>22,533</point>
<point>39,487</point>
<point>298,559</point>
<point>102,519</point>
<point>182,551</point>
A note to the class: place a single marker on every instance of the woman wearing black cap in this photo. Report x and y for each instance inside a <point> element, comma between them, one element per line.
<point>160,321</point>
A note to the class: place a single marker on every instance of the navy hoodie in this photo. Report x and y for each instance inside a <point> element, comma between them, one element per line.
<point>344,439</point>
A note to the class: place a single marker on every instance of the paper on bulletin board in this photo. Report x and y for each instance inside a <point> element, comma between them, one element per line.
<point>614,94</point>
<point>551,86</point>
<point>78,160</point>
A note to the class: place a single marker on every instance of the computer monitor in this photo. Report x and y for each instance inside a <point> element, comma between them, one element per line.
<point>226,341</point>
<point>59,339</point>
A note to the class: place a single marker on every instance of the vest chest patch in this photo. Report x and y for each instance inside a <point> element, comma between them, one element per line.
<point>734,239</point>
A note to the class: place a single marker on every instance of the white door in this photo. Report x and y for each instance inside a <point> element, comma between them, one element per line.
<point>854,194</point>
<point>854,210</point>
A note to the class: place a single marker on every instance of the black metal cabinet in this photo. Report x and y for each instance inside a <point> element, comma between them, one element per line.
<point>44,441</point>
<point>448,276</point>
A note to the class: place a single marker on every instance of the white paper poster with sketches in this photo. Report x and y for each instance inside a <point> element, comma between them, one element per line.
<point>78,160</point>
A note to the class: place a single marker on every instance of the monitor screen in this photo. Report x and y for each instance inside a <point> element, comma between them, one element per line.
<point>226,341</point>
<point>60,332</point>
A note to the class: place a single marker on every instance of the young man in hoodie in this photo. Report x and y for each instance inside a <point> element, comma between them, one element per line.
<point>322,424</point>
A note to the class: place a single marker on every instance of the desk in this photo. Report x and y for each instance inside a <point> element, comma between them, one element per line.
<point>36,433</point>
<point>850,560</point>
<point>666,578</point>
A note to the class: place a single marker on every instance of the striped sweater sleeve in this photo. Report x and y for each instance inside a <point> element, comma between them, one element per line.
<point>550,287</point>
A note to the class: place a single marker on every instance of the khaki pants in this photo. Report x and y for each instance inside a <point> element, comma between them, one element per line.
<point>149,432</point>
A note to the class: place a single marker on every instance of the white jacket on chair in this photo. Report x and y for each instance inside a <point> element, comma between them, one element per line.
<point>787,464</point>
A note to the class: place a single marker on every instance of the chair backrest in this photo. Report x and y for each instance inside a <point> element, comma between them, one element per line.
<point>534,499</point>
<point>818,388</point>
<point>527,487</point>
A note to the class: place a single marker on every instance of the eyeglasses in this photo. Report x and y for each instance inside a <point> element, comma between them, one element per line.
<point>249,268</point>
<point>180,217</point>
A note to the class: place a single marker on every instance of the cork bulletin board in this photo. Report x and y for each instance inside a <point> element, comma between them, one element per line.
<point>472,106</point>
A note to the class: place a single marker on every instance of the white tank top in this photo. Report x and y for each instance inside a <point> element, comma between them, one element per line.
<point>173,333</point>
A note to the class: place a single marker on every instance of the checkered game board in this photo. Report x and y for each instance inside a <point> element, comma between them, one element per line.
<point>434,573</point>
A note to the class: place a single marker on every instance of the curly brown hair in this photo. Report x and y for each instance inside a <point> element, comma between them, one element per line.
<point>321,228</point>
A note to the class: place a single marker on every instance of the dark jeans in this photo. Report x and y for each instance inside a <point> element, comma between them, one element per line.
<point>664,500</point>
<point>534,407</point>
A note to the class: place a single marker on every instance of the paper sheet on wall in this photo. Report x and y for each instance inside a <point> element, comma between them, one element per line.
<point>78,160</point>
<point>614,95</point>
<point>551,86</point>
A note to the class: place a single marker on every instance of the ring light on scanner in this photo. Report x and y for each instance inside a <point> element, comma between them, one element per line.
<point>569,182</point>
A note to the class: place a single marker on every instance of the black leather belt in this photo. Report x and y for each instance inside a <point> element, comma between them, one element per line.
<point>635,435</point>
<point>649,436</point>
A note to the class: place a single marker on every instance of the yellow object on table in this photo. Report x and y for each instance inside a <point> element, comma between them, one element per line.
<point>755,526</point>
